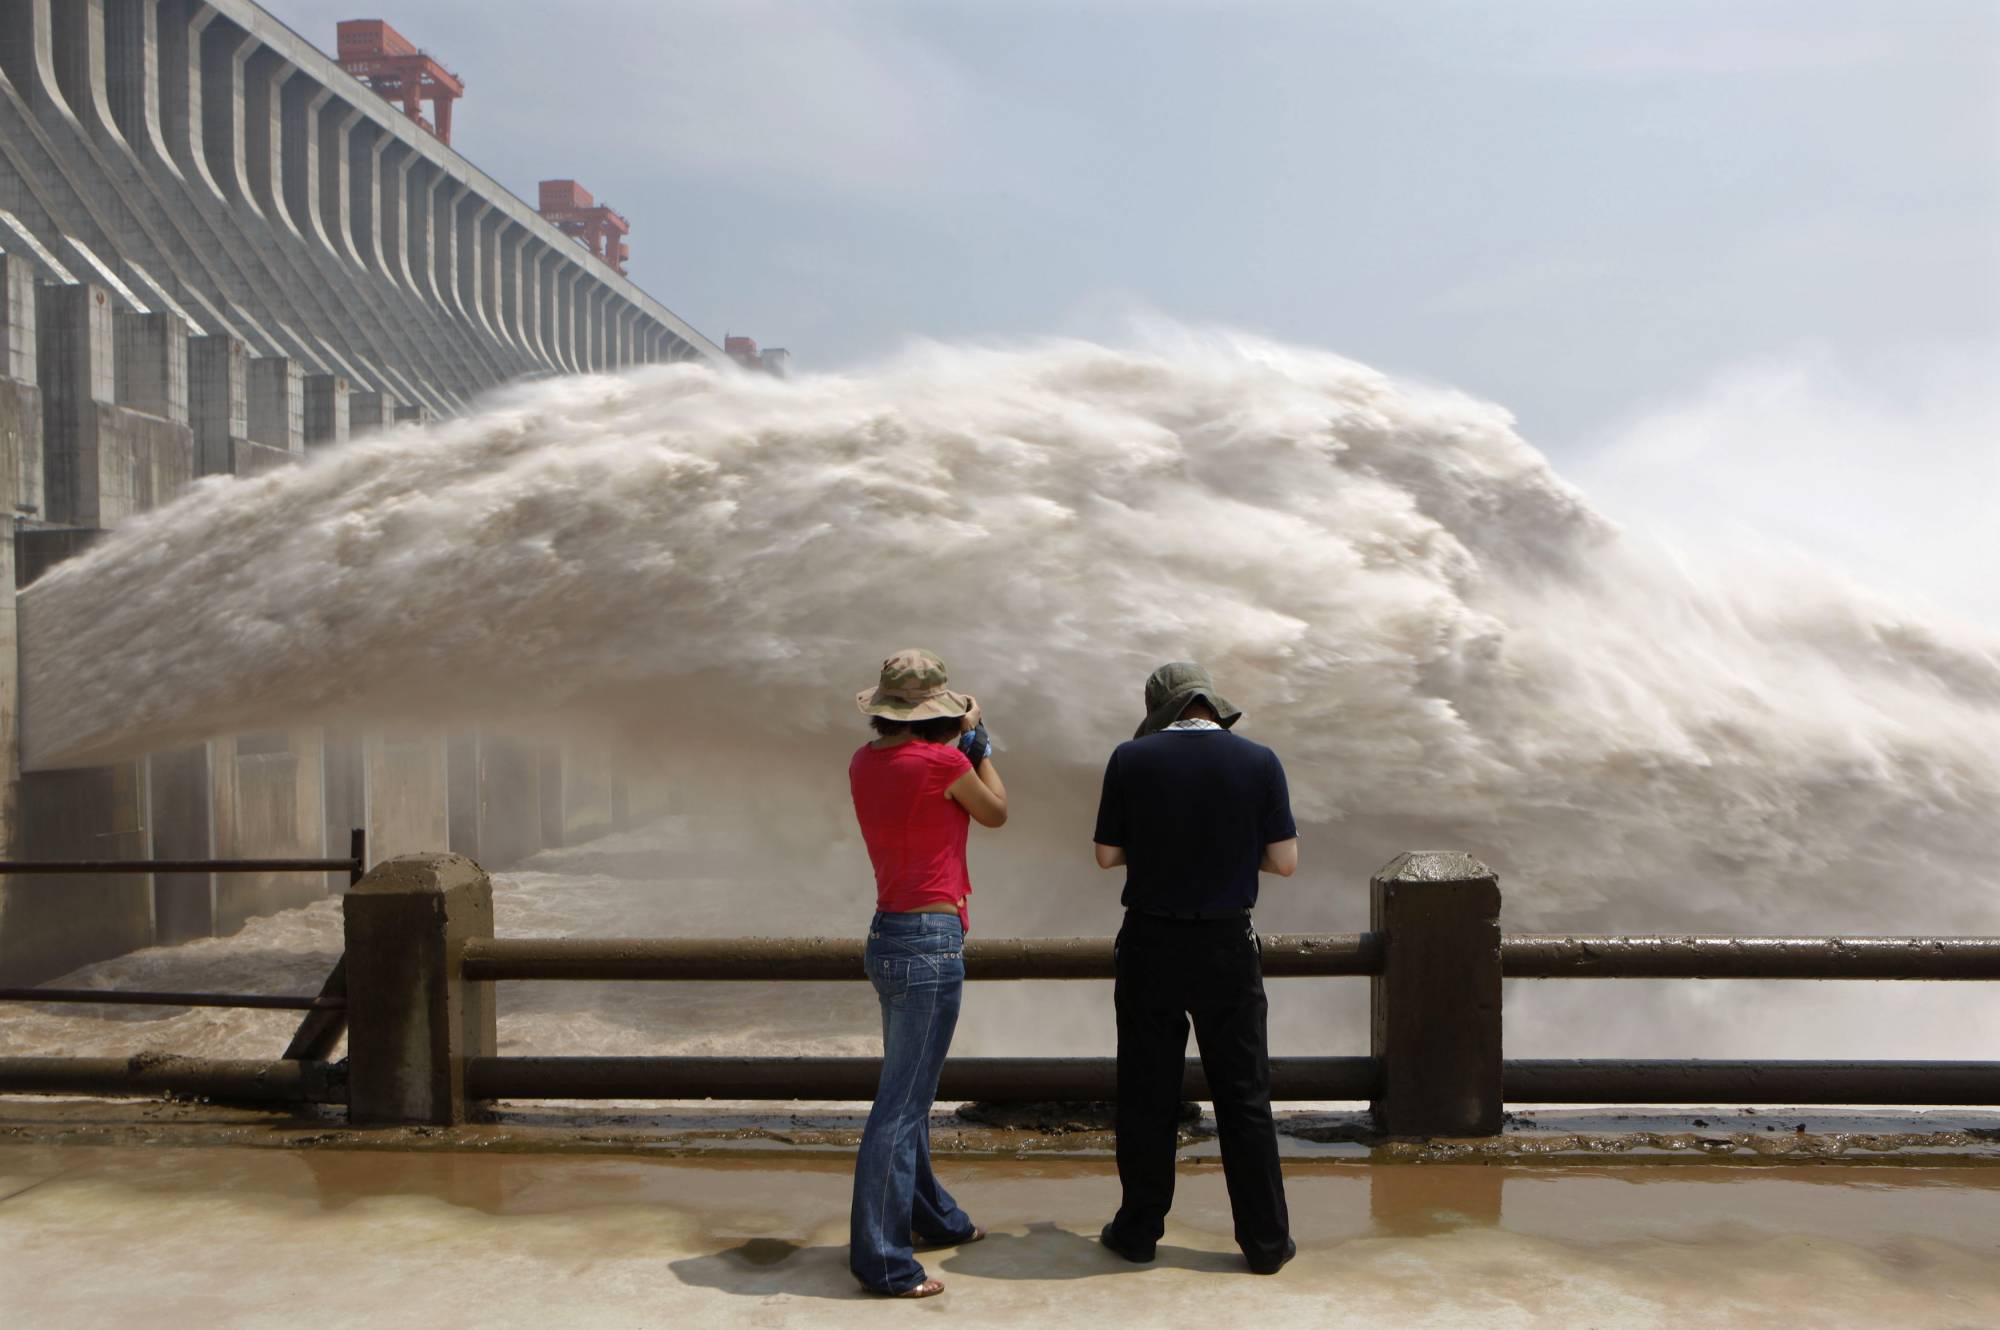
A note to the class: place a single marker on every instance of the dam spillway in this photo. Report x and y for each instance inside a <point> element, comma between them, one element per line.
<point>219,251</point>
<point>203,160</point>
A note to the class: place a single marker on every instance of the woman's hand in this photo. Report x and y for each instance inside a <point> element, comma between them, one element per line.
<point>976,744</point>
<point>970,720</point>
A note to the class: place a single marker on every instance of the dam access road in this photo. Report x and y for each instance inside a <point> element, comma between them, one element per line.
<point>170,1216</point>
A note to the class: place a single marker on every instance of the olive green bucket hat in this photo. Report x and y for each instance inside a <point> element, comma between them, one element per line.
<point>1171,687</point>
<point>912,688</point>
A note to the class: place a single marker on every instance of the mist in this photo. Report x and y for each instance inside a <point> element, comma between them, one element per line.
<point>1447,643</point>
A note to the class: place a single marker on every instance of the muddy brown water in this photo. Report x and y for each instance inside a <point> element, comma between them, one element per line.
<point>244,1237</point>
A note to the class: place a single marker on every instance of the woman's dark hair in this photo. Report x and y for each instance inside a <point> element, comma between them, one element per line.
<point>937,730</point>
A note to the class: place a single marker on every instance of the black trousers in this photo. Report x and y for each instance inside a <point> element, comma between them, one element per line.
<point>1169,970</point>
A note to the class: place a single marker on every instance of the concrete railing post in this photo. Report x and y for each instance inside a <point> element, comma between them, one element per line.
<point>412,1021</point>
<point>1435,1008</point>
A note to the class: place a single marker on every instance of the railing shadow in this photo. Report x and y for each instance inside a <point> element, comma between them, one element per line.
<point>764,1267</point>
<point>1046,1252</point>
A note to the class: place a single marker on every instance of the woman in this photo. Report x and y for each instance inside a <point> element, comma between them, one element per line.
<point>925,776</point>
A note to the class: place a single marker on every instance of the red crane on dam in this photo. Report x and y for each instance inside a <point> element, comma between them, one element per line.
<point>582,218</point>
<point>397,68</point>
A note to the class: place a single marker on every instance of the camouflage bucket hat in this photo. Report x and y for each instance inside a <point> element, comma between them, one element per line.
<point>1172,687</point>
<point>912,688</point>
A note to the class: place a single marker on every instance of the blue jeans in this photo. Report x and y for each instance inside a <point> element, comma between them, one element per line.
<point>917,964</point>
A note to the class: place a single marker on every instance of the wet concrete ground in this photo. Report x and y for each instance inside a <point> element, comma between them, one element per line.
<point>218,1236</point>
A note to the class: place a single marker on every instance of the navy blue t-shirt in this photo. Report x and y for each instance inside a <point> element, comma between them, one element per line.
<point>1193,810</point>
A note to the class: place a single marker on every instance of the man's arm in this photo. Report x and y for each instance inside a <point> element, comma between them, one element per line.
<point>1110,837</point>
<point>1280,857</point>
<point>1281,834</point>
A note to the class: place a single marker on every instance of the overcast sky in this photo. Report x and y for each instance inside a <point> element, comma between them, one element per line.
<point>1697,248</point>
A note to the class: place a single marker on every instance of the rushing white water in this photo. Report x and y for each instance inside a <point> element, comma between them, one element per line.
<point>1441,638</point>
<point>650,881</point>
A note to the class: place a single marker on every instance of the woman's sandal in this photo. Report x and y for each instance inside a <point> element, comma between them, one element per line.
<point>974,1236</point>
<point>930,1288</point>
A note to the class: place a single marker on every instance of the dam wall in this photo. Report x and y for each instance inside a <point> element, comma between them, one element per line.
<point>104,414</point>
<point>200,159</point>
<point>218,252</point>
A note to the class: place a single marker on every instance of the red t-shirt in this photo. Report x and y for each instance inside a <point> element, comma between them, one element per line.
<point>915,834</point>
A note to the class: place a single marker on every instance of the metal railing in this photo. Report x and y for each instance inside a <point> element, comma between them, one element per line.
<point>354,866</point>
<point>424,1038</point>
<point>124,997</point>
<point>234,1080</point>
<point>1621,956</point>
<point>1285,955</point>
<point>819,958</point>
<point>1709,1081</point>
<point>1299,955</point>
<point>840,959</point>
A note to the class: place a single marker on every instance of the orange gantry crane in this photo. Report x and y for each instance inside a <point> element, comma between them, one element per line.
<point>599,229</point>
<point>395,67</point>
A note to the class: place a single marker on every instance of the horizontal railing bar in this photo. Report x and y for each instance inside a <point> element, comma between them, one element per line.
<point>1005,1080</point>
<point>1622,956</point>
<point>781,958</point>
<point>1605,1081</point>
<point>1609,1081</point>
<point>179,866</point>
<point>136,998</point>
<point>1556,956</point>
<point>1625,1081</point>
<point>208,1078</point>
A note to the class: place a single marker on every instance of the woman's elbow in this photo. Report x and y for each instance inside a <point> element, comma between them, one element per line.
<point>993,818</point>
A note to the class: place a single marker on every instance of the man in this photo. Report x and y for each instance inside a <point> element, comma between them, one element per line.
<point>1194,813</point>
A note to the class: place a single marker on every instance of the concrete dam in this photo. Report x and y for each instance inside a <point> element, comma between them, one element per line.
<point>222,250</point>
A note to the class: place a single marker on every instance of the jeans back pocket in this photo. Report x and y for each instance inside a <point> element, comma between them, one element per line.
<point>890,975</point>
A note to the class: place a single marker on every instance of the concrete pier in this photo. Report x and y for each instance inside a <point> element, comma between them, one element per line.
<point>278,406</point>
<point>152,365</point>
<point>1435,1019</point>
<point>219,402</point>
<point>370,411</point>
<point>327,419</point>
<point>413,1020</point>
<point>20,389</point>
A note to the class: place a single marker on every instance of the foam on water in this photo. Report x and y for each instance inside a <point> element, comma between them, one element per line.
<point>1444,641</point>
<point>598,889</point>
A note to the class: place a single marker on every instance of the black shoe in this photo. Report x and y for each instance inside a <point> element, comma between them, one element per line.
<point>1291,1250</point>
<point>1136,1257</point>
